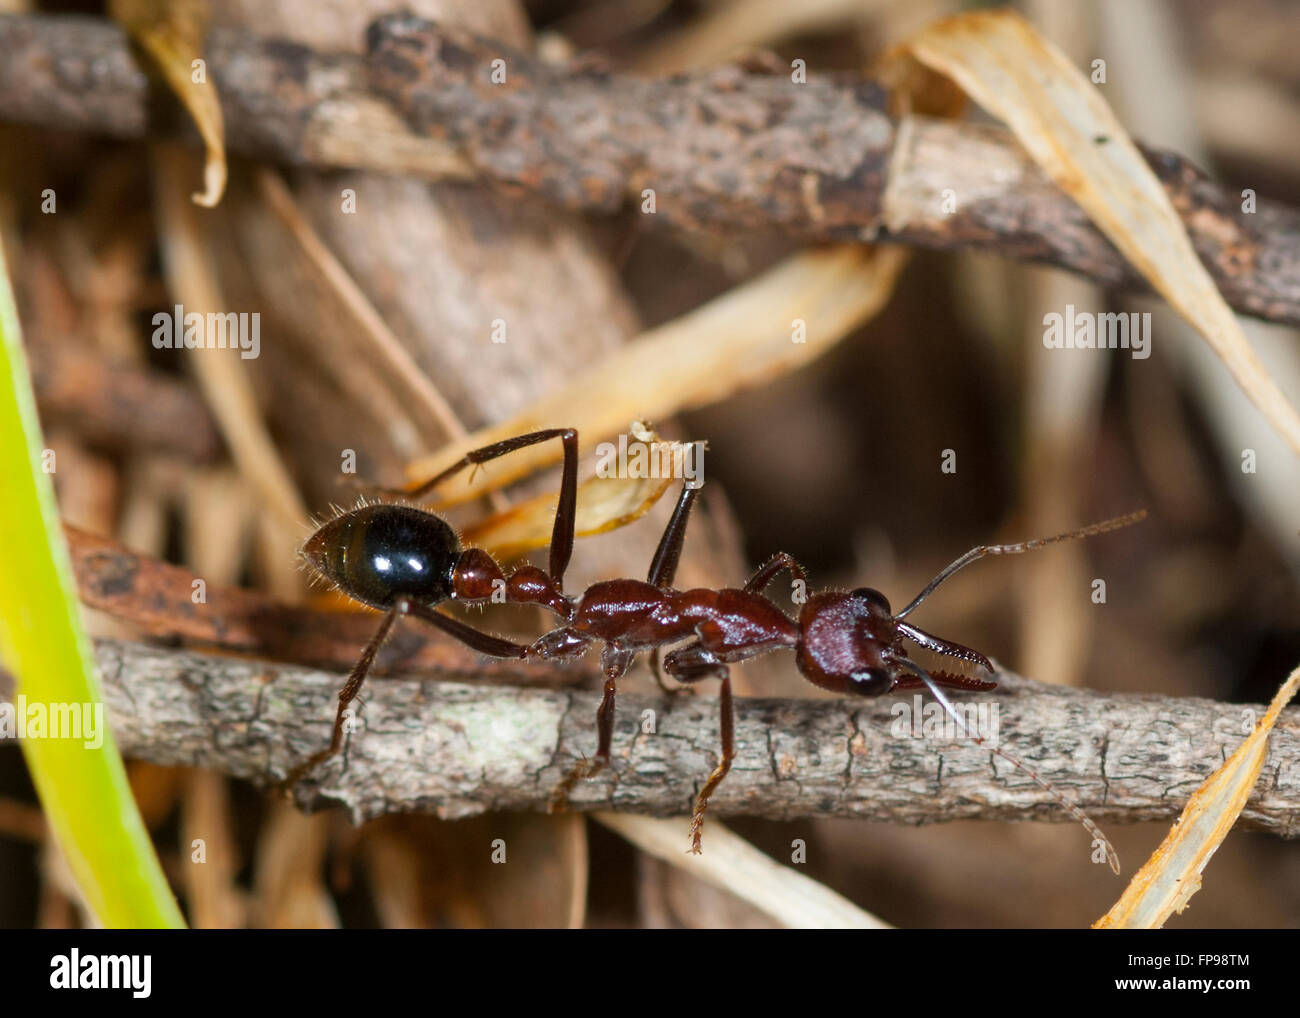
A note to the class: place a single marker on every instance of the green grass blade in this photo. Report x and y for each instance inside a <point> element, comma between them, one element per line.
<point>84,791</point>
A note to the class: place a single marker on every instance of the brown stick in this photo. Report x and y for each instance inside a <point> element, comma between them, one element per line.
<point>725,149</point>
<point>120,405</point>
<point>459,750</point>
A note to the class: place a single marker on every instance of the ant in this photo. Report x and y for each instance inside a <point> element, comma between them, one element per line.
<point>404,560</point>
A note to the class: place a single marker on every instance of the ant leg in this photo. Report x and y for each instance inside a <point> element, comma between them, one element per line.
<point>975,554</point>
<point>657,672</point>
<point>1099,838</point>
<point>691,664</point>
<point>346,695</point>
<point>663,567</point>
<point>615,662</point>
<point>484,643</point>
<point>727,721</point>
<point>565,511</point>
<point>659,676</point>
<point>768,570</point>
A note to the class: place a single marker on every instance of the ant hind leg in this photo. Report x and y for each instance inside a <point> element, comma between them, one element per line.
<point>484,643</point>
<point>658,673</point>
<point>663,567</point>
<point>347,695</point>
<point>615,662</point>
<point>691,664</point>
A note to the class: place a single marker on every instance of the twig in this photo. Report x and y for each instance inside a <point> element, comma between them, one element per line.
<point>727,149</point>
<point>121,405</point>
<point>458,750</point>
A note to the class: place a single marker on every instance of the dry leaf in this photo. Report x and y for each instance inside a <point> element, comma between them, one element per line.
<point>604,503</point>
<point>352,344</point>
<point>741,339</point>
<point>1070,132</point>
<point>1173,874</point>
<point>192,281</point>
<point>171,32</point>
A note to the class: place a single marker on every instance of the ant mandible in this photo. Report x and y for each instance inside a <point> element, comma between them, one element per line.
<point>404,560</point>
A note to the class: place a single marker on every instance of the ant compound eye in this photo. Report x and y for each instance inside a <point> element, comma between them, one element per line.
<point>874,598</point>
<point>870,682</point>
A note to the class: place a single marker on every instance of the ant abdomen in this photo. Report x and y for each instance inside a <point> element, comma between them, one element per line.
<point>377,554</point>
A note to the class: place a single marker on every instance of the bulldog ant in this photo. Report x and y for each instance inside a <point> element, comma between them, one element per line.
<point>404,560</point>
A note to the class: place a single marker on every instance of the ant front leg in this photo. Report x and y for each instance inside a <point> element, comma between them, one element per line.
<point>766,573</point>
<point>663,567</point>
<point>691,664</point>
<point>615,661</point>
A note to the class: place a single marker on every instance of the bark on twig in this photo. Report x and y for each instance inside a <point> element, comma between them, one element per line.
<point>725,149</point>
<point>458,749</point>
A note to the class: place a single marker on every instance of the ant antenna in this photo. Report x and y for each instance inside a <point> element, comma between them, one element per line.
<point>1015,549</point>
<point>1088,823</point>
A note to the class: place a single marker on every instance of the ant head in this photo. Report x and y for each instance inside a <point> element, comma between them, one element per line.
<point>849,643</point>
<point>872,601</point>
<point>378,553</point>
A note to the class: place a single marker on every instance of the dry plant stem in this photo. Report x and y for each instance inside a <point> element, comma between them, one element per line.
<point>737,340</point>
<point>725,149</point>
<point>458,749</point>
<point>222,374</point>
<point>373,333</point>
<point>737,866</point>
